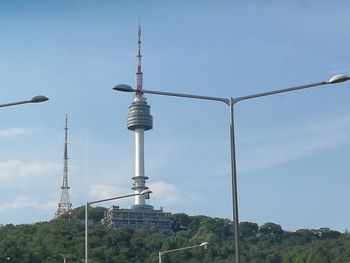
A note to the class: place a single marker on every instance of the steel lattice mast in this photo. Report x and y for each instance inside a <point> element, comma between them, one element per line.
<point>65,206</point>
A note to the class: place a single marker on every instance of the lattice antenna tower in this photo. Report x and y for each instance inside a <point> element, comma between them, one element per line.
<point>139,75</point>
<point>64,210</point>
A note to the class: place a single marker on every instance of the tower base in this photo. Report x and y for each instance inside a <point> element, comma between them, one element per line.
<point>137,216</point>
<point>143,207</point>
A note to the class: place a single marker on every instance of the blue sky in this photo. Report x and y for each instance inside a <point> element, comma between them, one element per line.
<point>292,149</point>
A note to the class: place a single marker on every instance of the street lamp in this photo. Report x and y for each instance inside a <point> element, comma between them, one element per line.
<point>230,102</point>
<point>64,258</point>
<point>35,99</point>
<point>145,192</point>
<point>160,253</point>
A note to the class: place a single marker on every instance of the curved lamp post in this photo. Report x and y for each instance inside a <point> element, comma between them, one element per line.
<point>145,192</point>
<point>35,99</point>
<point>160,253</point>
<point>230,102</point>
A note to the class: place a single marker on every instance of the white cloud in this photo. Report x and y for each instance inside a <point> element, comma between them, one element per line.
<point>22,202</point>
<point>13,132</point>
<point>292,144</point>
<point>15,168</point>
<point>166,193</point>
<point>101,191</point>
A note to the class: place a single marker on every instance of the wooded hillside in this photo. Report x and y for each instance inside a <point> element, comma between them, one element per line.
<point>44,242</point>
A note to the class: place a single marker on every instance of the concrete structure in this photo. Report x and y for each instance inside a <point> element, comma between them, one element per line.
<point>139,120</point>
<point>118,217</point>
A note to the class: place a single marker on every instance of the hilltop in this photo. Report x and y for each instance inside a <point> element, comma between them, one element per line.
<point>43,242</point>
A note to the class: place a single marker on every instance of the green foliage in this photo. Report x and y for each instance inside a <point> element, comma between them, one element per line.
<point>95,213</point>
<point>45,242</point>
<point>248,229</point>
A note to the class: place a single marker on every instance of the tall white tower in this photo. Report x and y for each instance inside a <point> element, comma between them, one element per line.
<point>139,120</point>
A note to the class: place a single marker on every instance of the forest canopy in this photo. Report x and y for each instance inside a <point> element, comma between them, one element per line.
<point>46,242</point>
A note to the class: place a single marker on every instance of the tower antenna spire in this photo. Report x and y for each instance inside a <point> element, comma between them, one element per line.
<point>139,76</point>
<point>64,210</point>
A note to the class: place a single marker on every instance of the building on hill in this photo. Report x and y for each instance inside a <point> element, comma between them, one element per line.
<point>116,217</point>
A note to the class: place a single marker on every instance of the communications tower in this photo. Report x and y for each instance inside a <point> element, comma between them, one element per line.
<point>139,120</point>
<point>65,210</point>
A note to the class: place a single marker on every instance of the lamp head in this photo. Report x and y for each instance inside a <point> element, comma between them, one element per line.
<point>338,78</point>
<point>39,98</point>
<point>124,88</point>
<point>204,245</point>
<point>146,193</point>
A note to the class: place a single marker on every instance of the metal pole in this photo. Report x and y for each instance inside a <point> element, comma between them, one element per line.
<point>14,103</point>
<point>230,102</point>
<point>234,182</point>
<point>86,233</point>
<point>64,258</point>
<point>160,253</point>
<point>35,99</point>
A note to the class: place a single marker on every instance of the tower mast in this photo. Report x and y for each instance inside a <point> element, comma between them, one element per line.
<point>139,120</point>
<point>139,76</point>
<point>65,206</point>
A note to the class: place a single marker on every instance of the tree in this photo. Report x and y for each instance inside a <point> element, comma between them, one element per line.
<point>44,242</point>
<point>326,232</point>
<point>95,213</point>
<point>180,222</point>
<point>318,255</point>
<point>248,229</point>
<point>271,229</point>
